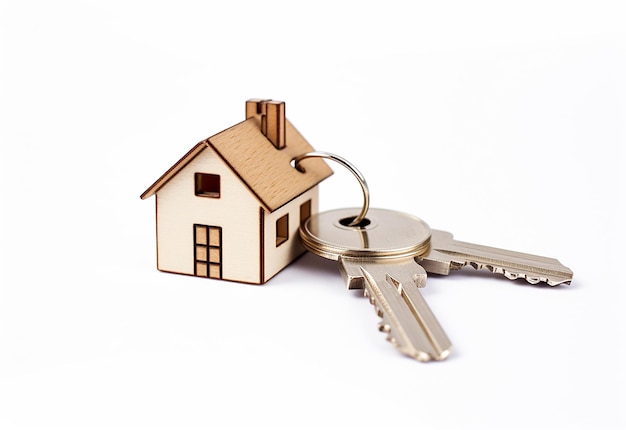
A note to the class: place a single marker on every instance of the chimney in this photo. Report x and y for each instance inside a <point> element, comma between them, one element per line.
<point>272,115</point>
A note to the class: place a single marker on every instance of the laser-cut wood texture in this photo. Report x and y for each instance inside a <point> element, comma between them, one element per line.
<point>257,186</point>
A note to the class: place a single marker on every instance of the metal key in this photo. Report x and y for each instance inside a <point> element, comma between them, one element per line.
<point>447,254</point>
<point>378,255</point>
<point>381,254</point>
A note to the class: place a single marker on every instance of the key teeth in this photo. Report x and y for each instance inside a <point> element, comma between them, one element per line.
<point>373,302</point>
<point>386,328</point>
<point>455,265</point>
<point>392,340</point>
<point>511,275</point>
<point>383,327</point>
<point>475,266</point>
<point>507,274</point>
<point>369,297</point>
<point>555,283</point>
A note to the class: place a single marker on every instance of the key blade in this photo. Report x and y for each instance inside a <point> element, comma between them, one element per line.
<point>392,287</point>
<point>448,254</point>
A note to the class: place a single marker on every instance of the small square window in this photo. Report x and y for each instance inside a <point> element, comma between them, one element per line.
<point>208,185</point>
<point>282,229</point>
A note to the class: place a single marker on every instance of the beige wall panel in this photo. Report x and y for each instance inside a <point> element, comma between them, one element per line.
<point>276,258</point>
<point>236,211</point>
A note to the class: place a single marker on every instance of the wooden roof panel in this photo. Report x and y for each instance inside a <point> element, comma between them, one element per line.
<point>265,170</point>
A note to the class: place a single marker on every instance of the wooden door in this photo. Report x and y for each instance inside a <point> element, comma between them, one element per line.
<point>207,251</point>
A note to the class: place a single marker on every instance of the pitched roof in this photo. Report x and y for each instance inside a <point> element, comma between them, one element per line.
<point>265,170</point>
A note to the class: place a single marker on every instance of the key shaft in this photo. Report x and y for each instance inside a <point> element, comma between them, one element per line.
<point>392,287</point>
<point>448,254</point>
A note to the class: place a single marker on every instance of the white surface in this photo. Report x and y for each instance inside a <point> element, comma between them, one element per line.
<point>501,123</point>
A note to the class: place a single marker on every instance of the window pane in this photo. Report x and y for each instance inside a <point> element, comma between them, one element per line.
<point>201,235</point>
<point>214,255</point>
<point>201,269</point>
<point>215,234</point>
<point>201,254</point>
<point>214,271</point>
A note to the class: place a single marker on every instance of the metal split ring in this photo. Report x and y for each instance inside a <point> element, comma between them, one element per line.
<point>345,163</point>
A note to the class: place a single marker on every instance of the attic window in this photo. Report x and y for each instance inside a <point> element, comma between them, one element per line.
<point>208,185</point>
<point>282,229</point>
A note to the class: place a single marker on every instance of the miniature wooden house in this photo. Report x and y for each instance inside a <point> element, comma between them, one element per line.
<point>231,207</point>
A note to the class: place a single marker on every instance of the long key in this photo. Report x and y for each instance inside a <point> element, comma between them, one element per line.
<point>447,254</point>
<point>406,318</point>
<point>378,256</point>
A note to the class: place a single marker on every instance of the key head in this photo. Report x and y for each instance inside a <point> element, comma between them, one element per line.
<point>383,234</point>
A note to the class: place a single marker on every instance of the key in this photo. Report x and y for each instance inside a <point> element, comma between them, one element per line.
<point>446,254</point>
<point>378,255</point>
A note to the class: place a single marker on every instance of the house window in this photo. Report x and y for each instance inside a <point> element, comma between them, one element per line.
<point>282,229</point>
<point>305,211</point>
<point>208,185</point>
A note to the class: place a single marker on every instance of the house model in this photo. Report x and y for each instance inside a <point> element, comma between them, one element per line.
<point>231,207</point>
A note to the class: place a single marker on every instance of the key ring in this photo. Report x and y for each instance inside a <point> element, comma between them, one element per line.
<point>345,163</point>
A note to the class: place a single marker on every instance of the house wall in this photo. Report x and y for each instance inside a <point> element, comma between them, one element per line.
<point>277,257</point>
<point>236,211</point>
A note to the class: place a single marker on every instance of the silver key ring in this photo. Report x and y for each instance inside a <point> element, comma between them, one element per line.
<point>345,163</point>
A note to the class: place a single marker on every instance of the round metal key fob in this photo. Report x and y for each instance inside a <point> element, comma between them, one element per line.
<point>384,234</point>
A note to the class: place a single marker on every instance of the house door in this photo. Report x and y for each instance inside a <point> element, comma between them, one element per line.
<point>207,252</point>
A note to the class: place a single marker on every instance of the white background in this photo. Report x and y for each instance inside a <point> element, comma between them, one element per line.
<point>504,124</point>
